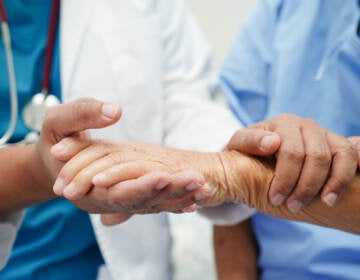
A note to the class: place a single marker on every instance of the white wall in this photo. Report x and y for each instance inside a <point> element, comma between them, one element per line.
<point>193,253</point>
<point>220,20</point>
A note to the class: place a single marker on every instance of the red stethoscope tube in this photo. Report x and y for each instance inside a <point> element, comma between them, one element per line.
<point>3,15</point>
<point>53,24</point>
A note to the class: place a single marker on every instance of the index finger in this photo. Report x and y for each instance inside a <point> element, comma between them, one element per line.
<point>289,163</point>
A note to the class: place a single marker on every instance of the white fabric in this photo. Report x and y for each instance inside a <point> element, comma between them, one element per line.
<point>104,273</point>
<point>150,57</point>
<point>8,229</point>
<point>228,214</point>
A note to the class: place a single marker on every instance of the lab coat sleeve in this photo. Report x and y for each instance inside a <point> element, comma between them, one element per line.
<point>192,119</point>
<point>8,229</point>
<point>227,214</point>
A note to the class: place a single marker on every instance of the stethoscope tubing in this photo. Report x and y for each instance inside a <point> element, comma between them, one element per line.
<point>6,38</point>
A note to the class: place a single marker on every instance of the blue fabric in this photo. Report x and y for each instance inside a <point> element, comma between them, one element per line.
<point>56,240</point>
<point>300,57</point>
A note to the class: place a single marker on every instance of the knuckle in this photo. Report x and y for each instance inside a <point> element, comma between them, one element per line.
<point>339,182</point>
<point>65,174</point>
<point>84,174</point>
<point>293,153</point>
<point>282,185</point>
<point>112,158</point>
<point>82,109</point>
<point>310,122</point>
<point>319,157</point>
<point>147,209</point>
<point>286,117</point>
<point>135,207</point>
<point>306,192</point>
<point>350,151</point>
<point>114,203</point>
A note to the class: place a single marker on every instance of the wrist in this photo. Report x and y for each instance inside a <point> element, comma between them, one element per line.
<point>211,166</point>
<point>41,178</point>
<point>245,176</point>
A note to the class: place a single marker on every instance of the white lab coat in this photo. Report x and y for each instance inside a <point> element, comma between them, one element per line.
<point>150,57</point>
<point>8,228</point>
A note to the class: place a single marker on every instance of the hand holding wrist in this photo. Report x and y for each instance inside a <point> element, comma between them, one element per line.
<point>238,178</point>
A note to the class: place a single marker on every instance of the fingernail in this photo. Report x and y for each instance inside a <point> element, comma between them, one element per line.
<point>278,199</point>
<point>192,187</point>
<point>59,186</point>
<point>161,186</point>
<point>330,199</point>
<point>295,206</point>
<point>268,141</point>
<point>204,193</point>
<point>100,178</point>
<point>70,190</point>
<point>110,110</point>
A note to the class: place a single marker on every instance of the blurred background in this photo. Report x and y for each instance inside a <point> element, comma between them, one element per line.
<point>220,21</point>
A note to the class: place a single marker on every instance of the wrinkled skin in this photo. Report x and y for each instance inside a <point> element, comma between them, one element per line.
<point>231,175</point>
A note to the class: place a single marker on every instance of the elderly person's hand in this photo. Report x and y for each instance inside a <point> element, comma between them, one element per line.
<point>311,160</point>
<point>116,170</point>
<point>150,193</point>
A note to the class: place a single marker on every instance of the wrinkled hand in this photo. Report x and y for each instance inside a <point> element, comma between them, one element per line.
<point>123,172</point>
<point>143,196</point>
<point>309,159</point>
<point>70,119</point>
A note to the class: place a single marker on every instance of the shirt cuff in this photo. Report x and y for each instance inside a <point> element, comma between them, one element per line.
<point>227,214</point>
<point>8,229</point>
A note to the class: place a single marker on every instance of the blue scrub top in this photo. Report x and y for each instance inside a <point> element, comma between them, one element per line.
<point>300,57</point>
<point>56,240</point>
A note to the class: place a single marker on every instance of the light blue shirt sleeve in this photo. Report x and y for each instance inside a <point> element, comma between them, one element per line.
<point>300,57</point>
<point>246,87</point>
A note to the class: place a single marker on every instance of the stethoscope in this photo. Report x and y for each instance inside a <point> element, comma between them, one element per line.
<point>34,111</point>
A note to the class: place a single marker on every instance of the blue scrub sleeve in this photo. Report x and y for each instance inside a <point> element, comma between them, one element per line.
<point>244,75</point>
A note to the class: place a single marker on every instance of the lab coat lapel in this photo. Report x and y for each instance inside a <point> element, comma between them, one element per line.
<point>75,15</point>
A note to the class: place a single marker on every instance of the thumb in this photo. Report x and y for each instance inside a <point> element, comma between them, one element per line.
<point>255,141</point>
<point>114,219</point>
<point>76,116</point>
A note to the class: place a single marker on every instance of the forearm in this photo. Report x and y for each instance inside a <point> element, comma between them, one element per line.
<point>20,184</point>
<point>251,186</point>
<point>235,252</point>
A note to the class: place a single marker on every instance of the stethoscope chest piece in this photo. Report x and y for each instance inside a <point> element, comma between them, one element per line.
<point>34,112</point>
